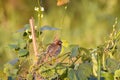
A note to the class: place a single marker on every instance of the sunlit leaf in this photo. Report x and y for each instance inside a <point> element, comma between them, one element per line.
<point>60,69</point>
<point>46,71</point>
<point>14,71</point>
<point>10,70</point>
<point>64,75</point>
<point>3,76</point>
<point>23,52</point>
<point>117,75</point>
<point>22,43</point>
<point>29,76</point>
<point>107,75</point>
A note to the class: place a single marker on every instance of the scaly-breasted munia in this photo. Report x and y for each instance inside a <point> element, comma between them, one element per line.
<point>53,49</point>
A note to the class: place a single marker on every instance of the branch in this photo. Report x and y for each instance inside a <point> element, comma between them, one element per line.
<point>31,21</point>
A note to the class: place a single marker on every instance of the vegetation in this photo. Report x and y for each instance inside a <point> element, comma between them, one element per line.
<point>73,63</point>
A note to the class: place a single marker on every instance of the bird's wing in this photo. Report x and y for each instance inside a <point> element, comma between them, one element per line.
<point>53,49</point>
<point>50,48</point>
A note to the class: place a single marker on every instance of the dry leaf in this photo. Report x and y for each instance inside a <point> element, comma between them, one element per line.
<point>62,2</point>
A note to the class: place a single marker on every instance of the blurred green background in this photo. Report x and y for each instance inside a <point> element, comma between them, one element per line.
<point>85,22</point>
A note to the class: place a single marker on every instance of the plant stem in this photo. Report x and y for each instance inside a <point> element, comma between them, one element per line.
<point>31,21</point>
<point>39,14</point>
<point>99,67</point>
<point>103,61</point>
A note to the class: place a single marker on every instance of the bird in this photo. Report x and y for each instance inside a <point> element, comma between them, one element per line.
<point>54,48</point>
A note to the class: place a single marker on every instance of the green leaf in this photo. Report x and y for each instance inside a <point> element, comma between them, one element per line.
<point>3,76</point>
<point>74,50</point>
<point>72,74</point>
<point>14,46</point>
<point>117,75</point>
<point>23,52</point>
<point>112,65</point>
<point>22,43</point>
<point>14,61</point>
<point>64,75</point>
<point>84,71</point>
<point>60,69</point>
<point>29,77</point>
<point>10,70</point>
<point>85,54</point>
<point>14,71</point>
<point>107,76</point>
<point>47,71</point>
<point>48,28</point>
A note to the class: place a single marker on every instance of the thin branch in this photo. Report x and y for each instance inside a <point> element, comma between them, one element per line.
<point>31,21</point>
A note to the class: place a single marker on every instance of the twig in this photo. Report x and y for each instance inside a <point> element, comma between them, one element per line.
<point>31,21</point>
<point>52,60</point>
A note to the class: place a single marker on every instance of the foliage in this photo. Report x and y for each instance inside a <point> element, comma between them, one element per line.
<point>76,63</point>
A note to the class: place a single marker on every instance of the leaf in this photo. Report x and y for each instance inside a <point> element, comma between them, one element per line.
<point>117,75</point>
<point>48,28</point>
<point>22,43</point>
<point>74,50</point>
<point>29,77</point>
<point>107,76</point>
<point>3,76</point>
<point>26,27</point>
<point>60,69</point>
<point>14,61</point>
<point>95,78</point>
<point>72,74</point>
<point>84,71</point>
<point>14,46</point>
<point>64,75</point>
<point>10,70</point>
<point>85,54</point>
<point>46,71</point>
<point>112,65</point>
<point>23,52</point>
<point>14,71</point>
<point>62,2</point>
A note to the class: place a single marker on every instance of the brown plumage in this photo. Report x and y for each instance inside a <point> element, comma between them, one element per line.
<point>54,49</point>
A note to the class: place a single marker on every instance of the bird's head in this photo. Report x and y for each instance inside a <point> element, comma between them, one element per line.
<point>58,42</point>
